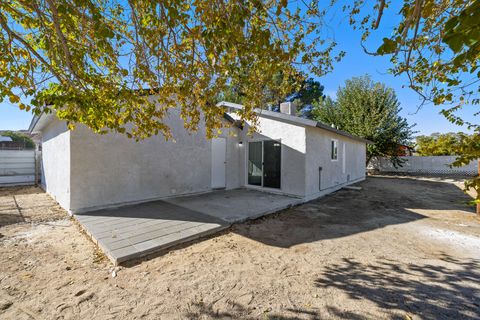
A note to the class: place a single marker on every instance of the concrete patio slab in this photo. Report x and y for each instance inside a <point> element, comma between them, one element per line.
<point>130,232</point>
<point>134,231</point>
<point>238,205</point>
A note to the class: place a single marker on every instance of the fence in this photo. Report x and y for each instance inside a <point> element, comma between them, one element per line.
<point>12,145</point>
<point>17,167</point>
<point>438,165</point>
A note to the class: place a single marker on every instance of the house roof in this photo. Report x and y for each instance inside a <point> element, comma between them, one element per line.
<point>283,117</point>
<point>40,121</point>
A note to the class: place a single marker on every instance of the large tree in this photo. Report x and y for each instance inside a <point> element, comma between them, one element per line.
<point>96,62</point>
<point>369,110</point>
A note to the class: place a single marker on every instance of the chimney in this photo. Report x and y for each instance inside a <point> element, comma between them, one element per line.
<point>288,108</point>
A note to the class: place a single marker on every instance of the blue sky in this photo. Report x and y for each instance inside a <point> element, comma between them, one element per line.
<point>355,63</point>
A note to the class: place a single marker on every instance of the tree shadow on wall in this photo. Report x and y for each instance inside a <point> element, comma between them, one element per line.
<point>447,291</point>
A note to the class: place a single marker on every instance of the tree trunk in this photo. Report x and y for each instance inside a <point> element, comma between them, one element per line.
<point>369,157</point>
<point>478,204</point>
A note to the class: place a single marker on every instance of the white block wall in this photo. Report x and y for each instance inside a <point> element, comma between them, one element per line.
<point>17,167</point>
<point>435,165</point>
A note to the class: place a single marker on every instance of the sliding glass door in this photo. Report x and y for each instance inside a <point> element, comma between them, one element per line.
<point>271,164</point>
<point>255,163</point>
<point>264,163</point>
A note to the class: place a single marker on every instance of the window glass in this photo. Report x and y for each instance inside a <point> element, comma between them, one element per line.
<point>272,164</point>
<point>334,153</point>
<point>255,163</point>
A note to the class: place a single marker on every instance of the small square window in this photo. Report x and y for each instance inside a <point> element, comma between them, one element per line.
<point>334,150</point>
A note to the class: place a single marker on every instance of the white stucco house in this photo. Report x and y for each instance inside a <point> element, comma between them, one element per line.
<point>290,155</point>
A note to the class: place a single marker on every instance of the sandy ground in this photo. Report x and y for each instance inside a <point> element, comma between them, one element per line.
<point>401,248</point>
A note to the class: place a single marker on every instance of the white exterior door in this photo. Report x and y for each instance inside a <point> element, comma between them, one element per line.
<point>219,150</point>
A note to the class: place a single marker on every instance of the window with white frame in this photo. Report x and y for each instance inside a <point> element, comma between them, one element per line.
<point>334,150</point>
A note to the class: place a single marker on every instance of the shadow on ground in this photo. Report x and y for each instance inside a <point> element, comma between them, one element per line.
<point>238,311</point>
<point>448,290</point>
<point>10,212</point>
<point>154,210</point>
<point>27,204</point>
<point>382,201</point>
<point>10,218</point>
<point>431,291</point>
<point>19,190</point>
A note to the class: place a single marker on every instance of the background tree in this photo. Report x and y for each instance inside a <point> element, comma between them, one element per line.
<point>369,110</point>
<point>95,62</point>
<point>309,91</point>
<point>438,144</point>
<point>19,137</point>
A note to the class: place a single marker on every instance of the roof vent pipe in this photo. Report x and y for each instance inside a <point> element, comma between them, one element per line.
<point>288,108</point>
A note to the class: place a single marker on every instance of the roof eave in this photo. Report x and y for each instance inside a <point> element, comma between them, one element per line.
<point>294,120</point>
<point>39,122</point>
<point>342,133</point>
<point>33,123</point>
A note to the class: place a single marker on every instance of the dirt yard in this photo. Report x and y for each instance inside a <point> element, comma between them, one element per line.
<point>401,248</point>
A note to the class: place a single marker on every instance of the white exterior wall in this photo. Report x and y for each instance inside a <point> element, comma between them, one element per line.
<point>55,167</point>
<point>109,170</point>
<point>292,138</point>
<point>333,176</point>
<point>234,161</point>
<point>86,171</point>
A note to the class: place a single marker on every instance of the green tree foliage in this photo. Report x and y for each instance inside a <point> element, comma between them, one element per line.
<point>19,137</point>
<point>309,91</point>
<point>436,45</point>
<point>272,91</point>
<point>369,110</point>
<point>91,60</point>
<point>469,150</point>
<point>439,144</point>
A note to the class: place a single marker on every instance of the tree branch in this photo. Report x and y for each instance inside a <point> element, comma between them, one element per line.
<point>13,35</point>
<point>61,37</point>
<point>380,13</point>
